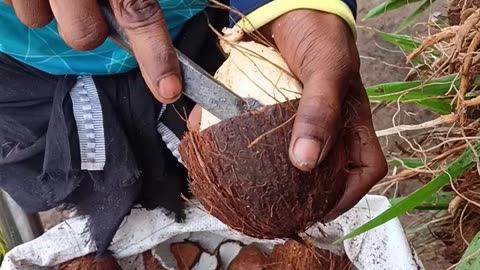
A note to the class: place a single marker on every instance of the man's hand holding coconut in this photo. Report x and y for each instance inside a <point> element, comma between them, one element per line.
<point>320,49</point>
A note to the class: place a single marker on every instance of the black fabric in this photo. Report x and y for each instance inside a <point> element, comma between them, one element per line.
<point>39,144</point>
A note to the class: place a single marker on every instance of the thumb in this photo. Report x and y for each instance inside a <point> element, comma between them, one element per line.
<point>316,124</point>
<point>145,26</point>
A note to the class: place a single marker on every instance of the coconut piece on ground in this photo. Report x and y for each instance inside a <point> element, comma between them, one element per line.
<point>207,261</point>
<point>90,262</point>
<point>150,262</point>
<point>298,256</point>
<point>241,173</point>
<point>187,254</point>
<point>227,251</point>
<point>249,258</point>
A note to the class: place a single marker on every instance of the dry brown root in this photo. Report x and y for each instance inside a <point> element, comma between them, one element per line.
<point>458,46</point>
<point>469,24</point>
<point>466,80</point>
<point>465,216</point>
<point>446,34</point>
<point>459,10</point>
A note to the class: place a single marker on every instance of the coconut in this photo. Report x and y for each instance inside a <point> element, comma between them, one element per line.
<point>150,262</point>
<point>253,70</point>
<point>207,261</point>
<point>228,250</point>
<point>299,256</point>
<point>241,173</point>
<point>249,258</point>
<point>240,168</point>
<point>90,262</point>
<point>187,254</point>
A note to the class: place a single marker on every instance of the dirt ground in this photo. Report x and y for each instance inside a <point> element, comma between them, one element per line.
<point>379,64</point>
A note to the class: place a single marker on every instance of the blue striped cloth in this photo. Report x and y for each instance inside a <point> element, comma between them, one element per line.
<point>46,51</point>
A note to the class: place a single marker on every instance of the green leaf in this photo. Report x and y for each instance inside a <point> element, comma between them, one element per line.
<point>471,258</point>
<point>388,6</point>
<point>457,168</point>
<point>408,21</point>
<point>437,201</point>
<point>409,163</point>
<point>413,91</point>
<point>440,106</point>
<point>404,42</point>
<point>431,95</point>
<point>3,249</point>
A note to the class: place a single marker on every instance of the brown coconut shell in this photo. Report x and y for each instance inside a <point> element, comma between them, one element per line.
<point>90,262</point>
<point>249,258</point>
<point>254,188</point>
<point>150,262</point>
<point>297,256</point>
<point>186,254</point>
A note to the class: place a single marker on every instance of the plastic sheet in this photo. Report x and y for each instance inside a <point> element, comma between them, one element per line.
<point>385,247</point>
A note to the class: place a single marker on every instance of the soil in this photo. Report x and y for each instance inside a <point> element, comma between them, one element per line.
<point>380,63</point>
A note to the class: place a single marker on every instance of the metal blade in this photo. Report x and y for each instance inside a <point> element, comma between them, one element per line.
<point>198,85</point>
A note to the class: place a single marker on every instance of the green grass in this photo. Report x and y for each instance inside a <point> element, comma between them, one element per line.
<point>456,169</point>
<point>471,258</point>
<point>391,5</point>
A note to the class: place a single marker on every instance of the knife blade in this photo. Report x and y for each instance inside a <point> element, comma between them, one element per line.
<point>198,85</point>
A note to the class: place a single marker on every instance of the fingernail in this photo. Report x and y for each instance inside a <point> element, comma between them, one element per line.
<point>306,152</point>
<point>170,87</point>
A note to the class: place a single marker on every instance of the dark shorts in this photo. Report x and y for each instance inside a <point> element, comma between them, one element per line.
<point>98,144</point>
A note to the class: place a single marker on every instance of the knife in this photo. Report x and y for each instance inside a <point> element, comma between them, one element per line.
<point>198,85</point>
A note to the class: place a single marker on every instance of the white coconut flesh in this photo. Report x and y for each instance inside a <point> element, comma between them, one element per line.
<point>228,251</point>
<point>251,70</point>
<point>207,261</point>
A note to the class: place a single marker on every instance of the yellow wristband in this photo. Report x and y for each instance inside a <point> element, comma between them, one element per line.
<point>277,8</point>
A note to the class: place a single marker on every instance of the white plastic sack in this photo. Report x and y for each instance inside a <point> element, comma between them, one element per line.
<point>385,247</point>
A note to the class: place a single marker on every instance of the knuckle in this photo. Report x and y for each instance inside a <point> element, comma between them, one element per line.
<point>321,48</point>
<point>317,125</point>
<point>85,33</point>
<point>135,14</point>
<point>32,22</point>
<point>163,52</point>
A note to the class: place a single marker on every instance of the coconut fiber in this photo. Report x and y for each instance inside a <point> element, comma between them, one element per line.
<point>242,174</point>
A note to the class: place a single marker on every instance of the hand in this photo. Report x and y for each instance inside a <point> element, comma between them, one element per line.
<point>81,26</point>
<point>321,51</point>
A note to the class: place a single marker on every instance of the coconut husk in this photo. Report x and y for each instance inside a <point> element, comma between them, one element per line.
<point>294,255</point>
<point>90,262</point>
<point>241,173</point>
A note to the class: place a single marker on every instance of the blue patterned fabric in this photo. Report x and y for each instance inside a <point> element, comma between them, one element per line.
<point>46,51</point>
<point>247,6</point>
